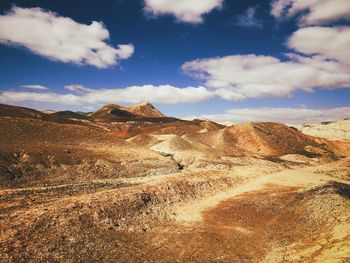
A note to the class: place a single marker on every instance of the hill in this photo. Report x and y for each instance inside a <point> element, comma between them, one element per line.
<point>335,130</point>
<point>112,111</point>
<point>22,112</point>
<point>263,139</point>
<point>70,115</point>
<point>145,109</point>
<point>16,111</point>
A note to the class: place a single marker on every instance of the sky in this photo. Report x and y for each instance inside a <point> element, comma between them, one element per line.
<point>229,61</point>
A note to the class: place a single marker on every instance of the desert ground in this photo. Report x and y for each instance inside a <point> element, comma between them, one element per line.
<point>128,184</point>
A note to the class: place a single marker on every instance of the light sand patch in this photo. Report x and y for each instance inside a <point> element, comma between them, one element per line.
<point>338,130</point>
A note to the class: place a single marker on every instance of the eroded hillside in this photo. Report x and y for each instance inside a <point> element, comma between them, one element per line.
<point>116,186</point>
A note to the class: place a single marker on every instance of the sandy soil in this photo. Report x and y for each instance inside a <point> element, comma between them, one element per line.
<point>298,215</point>
<point>298,178</point>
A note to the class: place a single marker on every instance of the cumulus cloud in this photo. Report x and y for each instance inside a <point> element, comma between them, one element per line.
<point>329,42</point>
<point>250,76</point>
<point>248,19</point>
<point>36,87</point>
<point>285,115</point>
<point>321,61</point>
<point>314,12</point>
<point>60,38</point>
<point>184,10</point>
<point>164,94</point>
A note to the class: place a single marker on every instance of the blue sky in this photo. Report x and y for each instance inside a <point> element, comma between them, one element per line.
<point>195,63</point>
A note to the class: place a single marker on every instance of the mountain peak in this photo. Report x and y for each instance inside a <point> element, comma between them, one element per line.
<point>145,103</point>
<point>145,109</point>
<point>111,109</point>
<point>111,105</point>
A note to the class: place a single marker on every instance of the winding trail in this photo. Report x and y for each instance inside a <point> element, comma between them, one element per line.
<point>302,177</point>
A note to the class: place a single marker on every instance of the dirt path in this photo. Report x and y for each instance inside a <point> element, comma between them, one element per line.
<point>303,177</point>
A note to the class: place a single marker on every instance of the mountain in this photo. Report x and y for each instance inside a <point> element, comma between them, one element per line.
<point>335,130</point>
<point>145,109</point>
<point>140,110</point>
<point>110,111</point>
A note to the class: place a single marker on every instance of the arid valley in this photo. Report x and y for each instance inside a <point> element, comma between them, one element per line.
<point>127,184</point>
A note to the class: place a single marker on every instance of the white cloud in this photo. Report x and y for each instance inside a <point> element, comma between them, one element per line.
<point>251,76</point>
<point>60,38</point>
<point>314,12</point>
<point>329,42</point>
<point>78,88</point>
<point>248,19</point>
<point>125,51</point>
<point>324,64</point>
<point>284,115</point>
<point>164,94</point>
<point>190,11</point>
<point>36,87</point>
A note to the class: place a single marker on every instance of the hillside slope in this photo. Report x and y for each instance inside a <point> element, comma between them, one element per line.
<point>267,139</point>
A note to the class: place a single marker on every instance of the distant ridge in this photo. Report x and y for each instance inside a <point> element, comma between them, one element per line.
<point>22,112</point>
<point>70,114</point>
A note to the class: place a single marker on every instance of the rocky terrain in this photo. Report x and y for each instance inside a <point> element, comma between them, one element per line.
<point>128,184</point>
